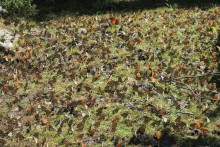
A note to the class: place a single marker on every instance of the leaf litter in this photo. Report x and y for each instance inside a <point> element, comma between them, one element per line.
<point>114,79</point>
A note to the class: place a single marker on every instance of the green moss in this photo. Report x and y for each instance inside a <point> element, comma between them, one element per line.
<point>123,131</point>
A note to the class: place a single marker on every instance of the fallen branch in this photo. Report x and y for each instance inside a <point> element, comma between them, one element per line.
<point>208,74</point>
<point>185,113</point>
<point>187,88</point>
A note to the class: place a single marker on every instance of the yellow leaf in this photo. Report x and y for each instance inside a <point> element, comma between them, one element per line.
<point>153,79</point>
<point>109,103</point>
<point>2,20</point>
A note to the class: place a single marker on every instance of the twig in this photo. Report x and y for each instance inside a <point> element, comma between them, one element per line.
<point>188,76</point>
<point>188,88</point>
<point>185,113</point>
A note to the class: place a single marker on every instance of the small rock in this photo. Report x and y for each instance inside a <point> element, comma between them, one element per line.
<point>82,31</point>
<point>3,10</point>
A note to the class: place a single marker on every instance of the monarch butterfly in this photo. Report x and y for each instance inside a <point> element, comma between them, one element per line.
<point>114,21</point>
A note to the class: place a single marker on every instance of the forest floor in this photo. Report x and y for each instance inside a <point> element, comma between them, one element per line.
<point>143,78</point>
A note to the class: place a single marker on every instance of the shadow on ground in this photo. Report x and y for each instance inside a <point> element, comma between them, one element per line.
<point>216,79</point>
<point>50,8</point>
<point>202,141</point>
<point>168,140</point>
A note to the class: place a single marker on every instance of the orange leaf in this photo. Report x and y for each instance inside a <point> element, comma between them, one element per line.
<point>68,143</point>
<point>147,65</point>
<point>94,26</point>
<point>96,75</point>
<point>204,130</point>
<point>198,125</point>
<point>78,139</point>
<point>138,75</point>
<point>28,48</point>
<point>117,20</point>
<point>153,74</point>
<point>114,21</point>
<point>153,80</point>
<point>45,121</point>
<point>158,135</point>
<point>141,40</point>
<point>216,97</point>
<point>17,84</point>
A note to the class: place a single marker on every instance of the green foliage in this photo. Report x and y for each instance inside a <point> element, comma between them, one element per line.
<point>22,8</point>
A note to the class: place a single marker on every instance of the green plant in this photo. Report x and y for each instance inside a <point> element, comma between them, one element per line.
<point>23,8</point>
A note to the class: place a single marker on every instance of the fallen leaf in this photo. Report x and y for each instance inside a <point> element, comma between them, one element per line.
<point>198,125</point>
<point>45,121</point>
<point>68,143</point>
<point>216,97</point>
<point>78,139</point>
<point>2,20</point>
<point>157,135</point>
<point>153,73</point>
<point>204,130</point>
<point>153,80</point>
<point>114,21</point>
<point>96,75</point>
<point>147,65</point>
<point>138,75</point>
<point>141,130</point>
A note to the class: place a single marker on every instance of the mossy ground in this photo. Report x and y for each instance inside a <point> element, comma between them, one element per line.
<point>145,80</point>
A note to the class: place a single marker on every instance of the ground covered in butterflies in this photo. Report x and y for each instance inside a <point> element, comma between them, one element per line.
<point>145,78</point>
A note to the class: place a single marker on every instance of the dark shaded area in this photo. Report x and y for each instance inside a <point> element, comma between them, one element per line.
<point>51,8</point>
<point>214,113</point>
<point>216,78</point>
<point>143,139</point>
<point>201,141</point>
<point>168,140</point>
